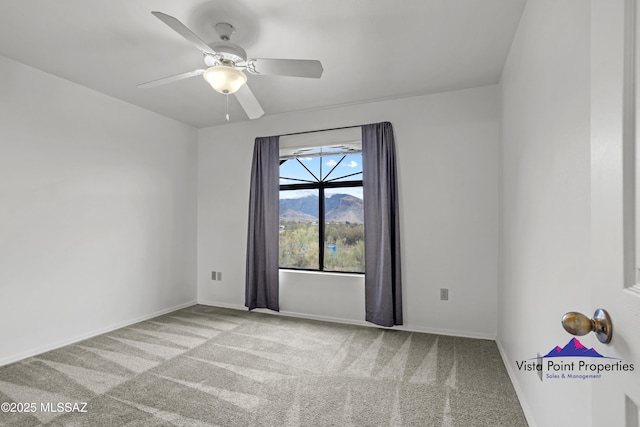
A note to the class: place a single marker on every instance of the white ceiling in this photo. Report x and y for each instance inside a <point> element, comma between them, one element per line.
<point>370,49</point>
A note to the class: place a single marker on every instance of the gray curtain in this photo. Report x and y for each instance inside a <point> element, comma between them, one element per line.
<point>383,284</point>
<point>262,285</point>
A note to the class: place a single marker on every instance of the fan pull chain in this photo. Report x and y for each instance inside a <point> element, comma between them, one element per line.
<point>227,106</point>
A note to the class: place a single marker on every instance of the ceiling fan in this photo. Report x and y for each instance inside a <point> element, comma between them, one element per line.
<point>226,62</point>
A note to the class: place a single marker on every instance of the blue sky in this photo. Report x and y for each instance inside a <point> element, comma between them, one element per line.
<point>321,166</point>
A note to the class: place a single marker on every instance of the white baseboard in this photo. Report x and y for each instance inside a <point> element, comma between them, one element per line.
<point>81,337</point>
<point>408,328</point>
<point>514,380</point>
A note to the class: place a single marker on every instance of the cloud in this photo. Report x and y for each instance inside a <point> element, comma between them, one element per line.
<point>351,164</point>
<point>294,194</point>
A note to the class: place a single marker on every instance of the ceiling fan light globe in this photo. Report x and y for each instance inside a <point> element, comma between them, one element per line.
<point>225,79</point>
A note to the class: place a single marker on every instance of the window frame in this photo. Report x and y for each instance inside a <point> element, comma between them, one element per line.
<point>321,186</point>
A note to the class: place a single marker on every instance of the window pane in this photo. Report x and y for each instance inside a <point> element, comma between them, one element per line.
<point>292,171</point>
<point>299,230</point>
<point>350,168</point>
<point>344,230</point>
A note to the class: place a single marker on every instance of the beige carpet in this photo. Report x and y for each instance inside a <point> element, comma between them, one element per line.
<point>204,366</point>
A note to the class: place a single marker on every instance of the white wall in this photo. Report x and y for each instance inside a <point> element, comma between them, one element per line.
<point>447,146</point>
<point>97,212</point>
<point>545,200</point>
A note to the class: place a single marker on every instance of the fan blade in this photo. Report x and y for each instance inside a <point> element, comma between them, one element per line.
<point>249,103</point>
<point>286,67</point>
<point>170,79</point>
<point>185,32</point>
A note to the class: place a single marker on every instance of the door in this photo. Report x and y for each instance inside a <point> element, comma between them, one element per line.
<point>615,203</point>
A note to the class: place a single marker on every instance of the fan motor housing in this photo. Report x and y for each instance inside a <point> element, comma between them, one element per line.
<point>225,51</point>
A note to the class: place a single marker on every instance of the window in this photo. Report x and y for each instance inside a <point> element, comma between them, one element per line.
<point>321,210</point>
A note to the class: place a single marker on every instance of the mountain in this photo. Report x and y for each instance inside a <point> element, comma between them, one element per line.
<point>338,208</point>
<point>574,348</point>
<point>296,216</point>
<point>344,208</point>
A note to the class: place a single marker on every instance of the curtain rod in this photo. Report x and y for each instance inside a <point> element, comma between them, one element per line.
<point>322,130</point>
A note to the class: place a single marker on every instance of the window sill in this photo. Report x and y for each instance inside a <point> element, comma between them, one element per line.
<point>323,273</point>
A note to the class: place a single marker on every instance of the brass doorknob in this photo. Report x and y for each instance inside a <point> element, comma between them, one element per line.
<point>579,324</point>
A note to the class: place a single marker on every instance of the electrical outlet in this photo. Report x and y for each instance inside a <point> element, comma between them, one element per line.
<point>444,294</point>
<point>220,275</point>
<point>213,275</point>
